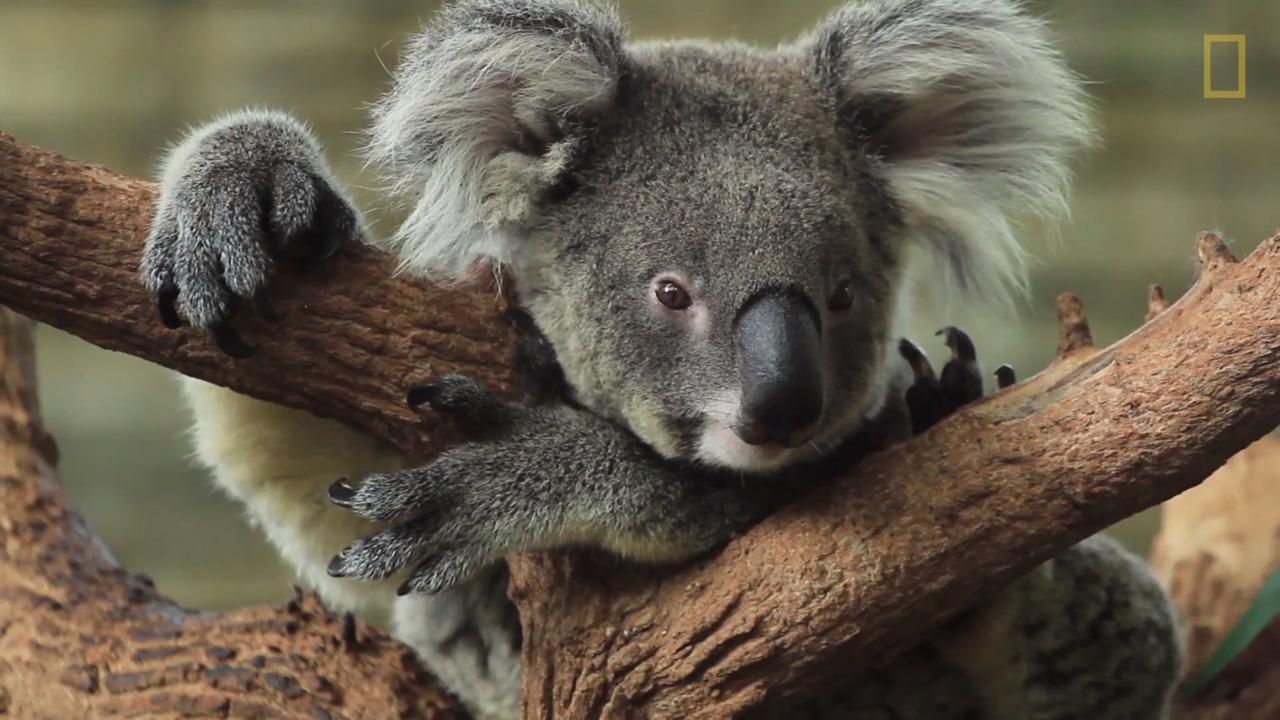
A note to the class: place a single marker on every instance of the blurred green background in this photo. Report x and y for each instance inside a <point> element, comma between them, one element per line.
<point>112,82</point>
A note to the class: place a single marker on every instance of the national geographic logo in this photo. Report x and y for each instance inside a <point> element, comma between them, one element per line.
<point>1236,93</point>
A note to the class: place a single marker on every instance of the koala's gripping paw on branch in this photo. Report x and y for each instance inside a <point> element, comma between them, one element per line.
<point>531,478</point>
<point>512,488</point>
<point>450,519</point>
<point>930,399</point>
<point>448,529</point>
<point>235,196</point>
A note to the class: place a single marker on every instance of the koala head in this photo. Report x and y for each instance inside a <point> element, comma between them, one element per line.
<point>717,238</point>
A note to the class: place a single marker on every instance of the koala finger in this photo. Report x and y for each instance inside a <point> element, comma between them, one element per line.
<point>293,204</point>
<point>961,378</point>
<point>156,268</point>
<point>926,403</point>
<point>334,222</point>
<point>466,401</point>
<point>1005,376</point>
<point>246,266</point>
<point>383,554</point>
<point>441,572</point>
<point>203,298</point>
<point>228,227</point>
<point>387,496</point>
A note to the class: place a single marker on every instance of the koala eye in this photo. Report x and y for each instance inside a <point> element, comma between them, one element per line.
<point>672,295</point>
<point>842,298</point>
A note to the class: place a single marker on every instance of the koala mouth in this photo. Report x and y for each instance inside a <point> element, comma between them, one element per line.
<point>721,447</point>
<point>718,441</point>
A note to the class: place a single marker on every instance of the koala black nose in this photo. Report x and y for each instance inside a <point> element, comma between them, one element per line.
<point>779,356</point>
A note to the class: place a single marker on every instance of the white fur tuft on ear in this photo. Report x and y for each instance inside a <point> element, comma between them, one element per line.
<point>973,115</point>
<point>484,118</point>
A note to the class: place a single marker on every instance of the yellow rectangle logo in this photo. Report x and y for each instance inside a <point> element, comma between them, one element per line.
<point>1238,92</point>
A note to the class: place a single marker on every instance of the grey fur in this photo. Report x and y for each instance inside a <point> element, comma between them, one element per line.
<point>973,115</point>
<point>529,132</point>
<point>556,477</point>
<point>219,185</point>
<point>483,118</point>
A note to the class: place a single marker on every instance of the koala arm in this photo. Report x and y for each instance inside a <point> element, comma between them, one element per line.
<point>236,194</point>
<point>534,478</point>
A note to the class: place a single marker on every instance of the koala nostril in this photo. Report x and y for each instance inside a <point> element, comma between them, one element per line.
<point>752,432</point>
<point>788,424</point>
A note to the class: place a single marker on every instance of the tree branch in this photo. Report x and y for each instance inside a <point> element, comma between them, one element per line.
<point>354,338</point>
<point>852,572</point>
<point>79,637</point>
<point>1216,549</point>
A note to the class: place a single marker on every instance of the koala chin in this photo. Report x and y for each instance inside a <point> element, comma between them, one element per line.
<point>712,245</point>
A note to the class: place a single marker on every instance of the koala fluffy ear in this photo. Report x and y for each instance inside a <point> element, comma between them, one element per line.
<point>486,112</point>
<point>972,115</point>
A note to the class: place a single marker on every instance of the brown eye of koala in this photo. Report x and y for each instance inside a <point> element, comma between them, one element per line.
<point>842,298</point>
<point>673,296</point>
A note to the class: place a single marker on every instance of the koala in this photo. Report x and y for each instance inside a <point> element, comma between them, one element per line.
<point>713,246</point>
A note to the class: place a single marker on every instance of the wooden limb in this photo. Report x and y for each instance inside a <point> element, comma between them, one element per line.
<point>868,566</point>
<point>353,339</point>
<point>81,638</point>
<point>1218,544</point>
<point>848,575</point>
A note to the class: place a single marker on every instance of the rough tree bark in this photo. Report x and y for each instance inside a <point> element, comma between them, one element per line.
<point>851,573</point>
<point>81,638</point>
<point>1218,544</point>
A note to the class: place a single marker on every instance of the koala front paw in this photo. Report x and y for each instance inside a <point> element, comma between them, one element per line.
<point>450,514</point>
<point>236,195</point>
<point>932,398</point>
<point>443,531</point>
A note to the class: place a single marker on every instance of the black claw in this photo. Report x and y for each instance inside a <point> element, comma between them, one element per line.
<point>961,380</point>
<point>166,303</point>
<point>420,395</point>
<point>342,493</point>
<point>335,568</point>
<point>1005,376</point>
<point>405,588</point>
<point>327,243</point>
<point>230,342</point>
<point>262,304</point>
<point>915,357</point>
<point>334,224</point>
<point>925,402</point>
<point>959,342</point>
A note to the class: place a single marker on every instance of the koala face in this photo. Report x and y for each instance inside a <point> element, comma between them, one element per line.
<point>716,238</point>
<point>716,271</point>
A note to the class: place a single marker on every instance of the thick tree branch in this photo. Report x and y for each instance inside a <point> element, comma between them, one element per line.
<point>853,572</point>
<point>81,638</point>
<point>353,339</point>
<point>1217,547</point>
